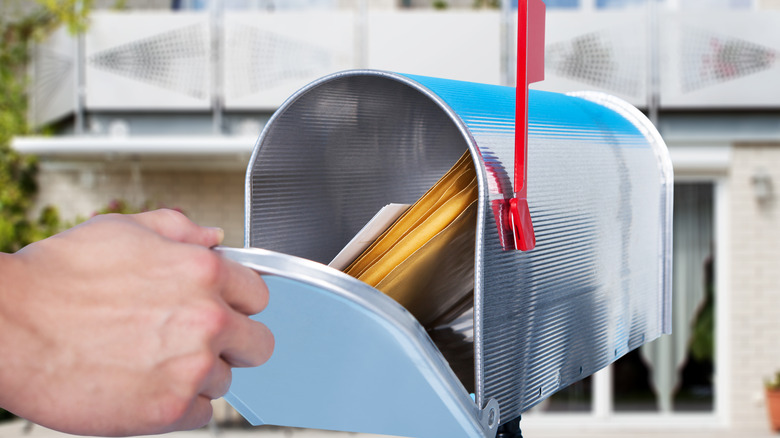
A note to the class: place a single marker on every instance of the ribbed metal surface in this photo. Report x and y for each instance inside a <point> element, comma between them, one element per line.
<point>333,156</point>
<point>599,184</point>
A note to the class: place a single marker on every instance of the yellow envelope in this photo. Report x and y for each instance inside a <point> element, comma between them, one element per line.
<point>425,260</point>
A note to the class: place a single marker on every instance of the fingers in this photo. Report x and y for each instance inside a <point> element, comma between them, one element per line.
<point>176,226</point>
<point>197,415</point>
<point>251,344</point>
<point>245,343</point>
<point>248,343</point>
<point>243,289</point>
<point>218,381</point>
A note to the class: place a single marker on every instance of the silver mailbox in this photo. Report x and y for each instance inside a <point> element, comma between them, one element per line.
<point>596,286</point>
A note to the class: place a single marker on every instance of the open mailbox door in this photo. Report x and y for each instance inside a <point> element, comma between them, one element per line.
<point>595,286</point>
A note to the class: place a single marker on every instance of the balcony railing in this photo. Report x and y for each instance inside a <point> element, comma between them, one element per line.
<point>253,60</point>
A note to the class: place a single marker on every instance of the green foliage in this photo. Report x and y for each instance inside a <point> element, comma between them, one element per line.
<point>17,173</point>
<point>5,415</point>
<point>121,206</point>
<point>703,336</point>
<point>773,383</point>
<point>72,13</point>
<point>19,28</point>
<point>487,4</point>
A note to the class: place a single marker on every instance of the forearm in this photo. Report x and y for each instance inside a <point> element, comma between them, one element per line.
<point>10,287</point>
<point>14,337</point>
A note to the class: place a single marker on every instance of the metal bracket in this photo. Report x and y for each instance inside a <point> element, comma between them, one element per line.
<point>490,418</point>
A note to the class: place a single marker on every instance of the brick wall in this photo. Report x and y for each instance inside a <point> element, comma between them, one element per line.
<point>213,198</point>
<point>754,259</point>
<point>769,4</point>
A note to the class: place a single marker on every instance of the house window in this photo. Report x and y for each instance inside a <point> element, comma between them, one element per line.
<point>562,4</point>
<point>618,4</point>
<point>675,373</point>
<point>553,4</point>
<point>575,398</point>
<point>716,4</point>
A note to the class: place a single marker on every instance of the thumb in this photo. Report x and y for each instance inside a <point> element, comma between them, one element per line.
<point>176,226</point>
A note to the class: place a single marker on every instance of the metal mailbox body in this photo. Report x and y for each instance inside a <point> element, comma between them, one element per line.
<point>600,182</point>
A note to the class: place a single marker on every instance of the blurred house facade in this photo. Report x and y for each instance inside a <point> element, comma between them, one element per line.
<point>161,104</point>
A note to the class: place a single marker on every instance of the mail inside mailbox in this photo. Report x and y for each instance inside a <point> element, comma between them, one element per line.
<point>425,259</point>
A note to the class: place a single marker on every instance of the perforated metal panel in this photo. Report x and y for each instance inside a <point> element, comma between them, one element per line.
<point>177,60</point>
<point>709,58</point>
<point>612,59</point>
<point>599,184</point>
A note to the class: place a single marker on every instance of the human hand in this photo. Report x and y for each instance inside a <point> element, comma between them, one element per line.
<point>126,325</point>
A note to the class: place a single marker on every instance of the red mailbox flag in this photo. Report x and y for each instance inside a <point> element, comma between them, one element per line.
<point>530,68</point>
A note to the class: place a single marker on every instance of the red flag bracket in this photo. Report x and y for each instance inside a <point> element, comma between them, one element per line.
<point>530,69</point>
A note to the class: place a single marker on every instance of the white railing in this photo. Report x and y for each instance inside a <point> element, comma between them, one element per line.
<point>253,60</point>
